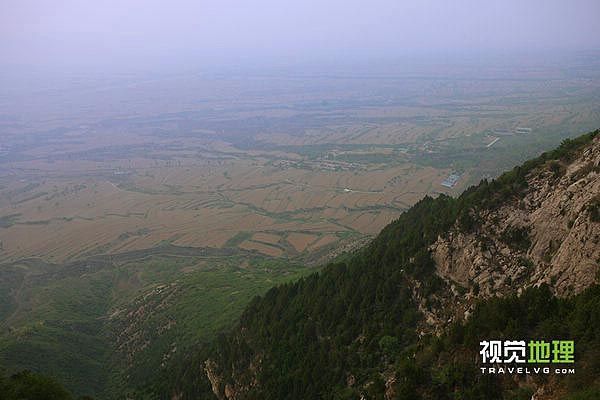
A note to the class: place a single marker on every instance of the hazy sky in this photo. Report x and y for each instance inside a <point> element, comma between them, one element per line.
<point>141,33</point>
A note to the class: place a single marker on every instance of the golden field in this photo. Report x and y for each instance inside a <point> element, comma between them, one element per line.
<point>283,166</point>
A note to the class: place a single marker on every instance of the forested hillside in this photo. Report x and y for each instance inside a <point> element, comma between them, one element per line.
<point>361,328</point>
<point>31,386</point>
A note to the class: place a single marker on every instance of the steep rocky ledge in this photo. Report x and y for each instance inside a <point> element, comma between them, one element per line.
<point>549,235</point>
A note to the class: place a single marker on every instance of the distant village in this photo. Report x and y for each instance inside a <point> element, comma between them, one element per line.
<point>321,165</point>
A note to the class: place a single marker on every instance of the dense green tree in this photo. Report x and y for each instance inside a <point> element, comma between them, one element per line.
<point>27,385</point>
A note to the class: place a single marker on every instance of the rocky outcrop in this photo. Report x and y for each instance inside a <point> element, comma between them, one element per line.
<point>240,383</point>
<point>210,368</point>
<point>549,235</point>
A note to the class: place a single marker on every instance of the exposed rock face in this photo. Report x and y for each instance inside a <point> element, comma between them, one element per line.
<point>390,388</point>
<point>130,327</point>
<point>240,383</point>
<point>222,392</point>
<point>210,368</point>
<point>549,235</point>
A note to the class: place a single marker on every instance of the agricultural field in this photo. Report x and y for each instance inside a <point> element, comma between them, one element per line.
<point>275,156</point>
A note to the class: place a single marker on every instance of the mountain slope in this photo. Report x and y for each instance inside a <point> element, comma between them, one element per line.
<point>107,325</point>
<point>348,331</point>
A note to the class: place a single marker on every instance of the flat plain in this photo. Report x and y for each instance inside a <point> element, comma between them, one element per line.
<point>198,161</point>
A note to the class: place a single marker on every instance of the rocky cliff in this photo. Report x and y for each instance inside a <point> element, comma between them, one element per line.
<point>549,234</point>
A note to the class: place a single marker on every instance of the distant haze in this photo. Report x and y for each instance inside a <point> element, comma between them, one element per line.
<point>149,34</point>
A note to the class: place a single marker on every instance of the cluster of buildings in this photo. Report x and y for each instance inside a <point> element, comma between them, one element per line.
<point>451,180</point>
<point>519,130</point>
